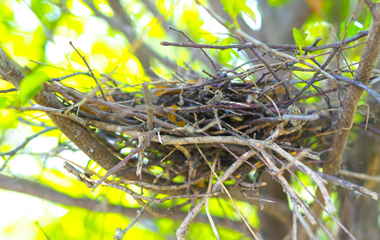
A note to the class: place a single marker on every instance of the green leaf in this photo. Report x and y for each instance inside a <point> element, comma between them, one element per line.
<point>352,29</point>
<point>234,8</point>
<point>31,85</point>
<point>3,102</point>
<point>231,8</point>
<point>247,10</point>
<point>300,38</point>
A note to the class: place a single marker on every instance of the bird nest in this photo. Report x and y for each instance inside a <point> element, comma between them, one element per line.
<point>200,137</point>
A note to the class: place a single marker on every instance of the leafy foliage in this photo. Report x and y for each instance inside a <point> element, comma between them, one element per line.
<point>299,38</point>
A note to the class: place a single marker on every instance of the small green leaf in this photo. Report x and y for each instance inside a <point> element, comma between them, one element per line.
<point>234,8</point>
<point>300,38</point>
<point>249,15</point>
<point>31,85</point>
<point>247,10</point>
<point>230,8</point>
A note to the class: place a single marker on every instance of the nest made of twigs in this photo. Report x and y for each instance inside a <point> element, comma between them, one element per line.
<point>188,136</point>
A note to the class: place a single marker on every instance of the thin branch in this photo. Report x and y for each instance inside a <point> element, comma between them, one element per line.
<point>125,160</point>
<point>89,69</point>
<point>22,145</point>
<point>182,230</point>
<point>8,90</point>
<point>347,185</point>
<point>42,230</point>
<point>41,191</point>
<point>204,52</point>
<point>359,35</point>
<point>149,109</point>
<point>361,176</point>
<point>363,86</point>
<point>274,74</point>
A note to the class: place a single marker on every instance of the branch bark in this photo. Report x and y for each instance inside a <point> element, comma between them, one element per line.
<point>79,135</point>
<point>47,193</point>
<point>350,102</point>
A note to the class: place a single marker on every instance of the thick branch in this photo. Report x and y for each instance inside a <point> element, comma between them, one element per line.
<point>350,102</point>
<point>79,135</point>
<point>47,193</point>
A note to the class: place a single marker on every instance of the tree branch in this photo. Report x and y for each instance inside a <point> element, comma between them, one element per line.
<point>350,102</point>
<point>79,135</point>
<point>47,193</point>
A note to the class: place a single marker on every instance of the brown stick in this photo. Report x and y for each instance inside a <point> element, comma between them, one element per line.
<point>274,46</point>
<point>78,134</point>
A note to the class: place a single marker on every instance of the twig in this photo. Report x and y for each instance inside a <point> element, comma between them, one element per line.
<point>22,145</point>
<point>352,18</point>
<point>119,235</point>
<point>314,78</point>
<point>359,35</point>
<point>265,47</point>
<point>26,141</point>
<point>350,186</point>
<point>361,176</point>
<point>182,230</point>
<point>369,90</point>
<point>148,104</point>
<point>321,205</point>
<point>8,90</point>
<point>274,74</point>
<point>204,52</point>
<point>88,66</point>
<point>42,230</point>
<point>208,191</point>
<point>163,188</point>
<point>125,160</point>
